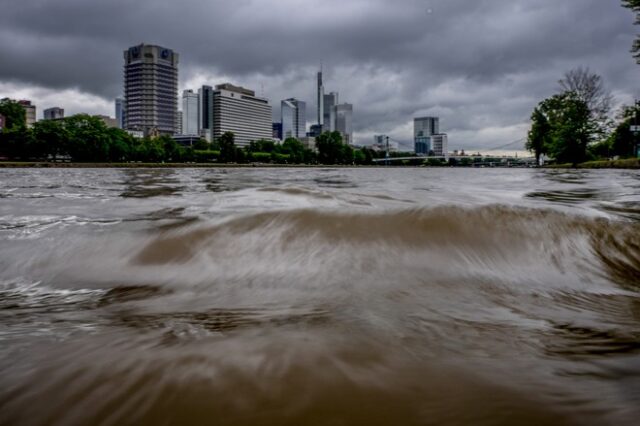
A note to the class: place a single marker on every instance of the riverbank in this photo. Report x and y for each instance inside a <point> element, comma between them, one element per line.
<point>36,164</point>
<point>629,163</point>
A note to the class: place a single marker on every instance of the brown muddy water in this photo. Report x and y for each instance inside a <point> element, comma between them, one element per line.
<point>319,297</point>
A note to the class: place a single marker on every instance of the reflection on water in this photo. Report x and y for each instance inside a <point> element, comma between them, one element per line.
<point>319,296</point>
<point>574,196</point>
<point>150,183</point>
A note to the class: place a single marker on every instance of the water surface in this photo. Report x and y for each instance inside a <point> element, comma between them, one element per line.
<point>319,296</point>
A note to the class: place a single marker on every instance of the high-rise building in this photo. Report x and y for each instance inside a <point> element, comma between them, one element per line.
<point>423,129</point>
<point>179,128</point>
<point>320,98</point>
<point>440,145</point>
<point>240,111</point>
<point>151,89</point>
<point>294,118</point>
<point>329,112</point>
<point>29,111</point>
<point>344,122</point>
<point>277,131</point>
<point>205,112</point>
<point>190,103</point>
<point>54,113</point>
<point>120,112</point>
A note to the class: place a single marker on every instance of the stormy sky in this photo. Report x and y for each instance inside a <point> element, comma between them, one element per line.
<point>480,65</point>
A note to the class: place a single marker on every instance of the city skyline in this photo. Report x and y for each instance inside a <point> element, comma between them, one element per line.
<point>441,58</point>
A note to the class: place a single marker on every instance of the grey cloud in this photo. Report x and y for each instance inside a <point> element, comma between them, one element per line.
<point>478,64</point>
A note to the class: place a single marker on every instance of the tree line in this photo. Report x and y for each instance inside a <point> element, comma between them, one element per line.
<point>575,125</point>
<point>84,138</point>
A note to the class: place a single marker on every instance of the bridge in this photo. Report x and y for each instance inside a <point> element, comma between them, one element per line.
<point>486,160</point>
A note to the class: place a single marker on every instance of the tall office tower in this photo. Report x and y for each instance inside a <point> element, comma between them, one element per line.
<point>277,131</point>
<point>151,89</point>
<point>120,111</point>
<point>190,103</point>
<point>29,111</point>
<point>294,118</point>
<point>440,145</point>
<point>320,99</point>
<point>423,129</point>
<point>344,121</point>
<point>240,111</point>
<point>205,112</point>
<point>328,115</point>
<point>54,113</point>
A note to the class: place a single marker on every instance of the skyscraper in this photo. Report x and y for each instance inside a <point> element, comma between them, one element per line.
<point>205,112</point>
<point>120,111</point>
<point>423,129</point>
<point>328,115</point>
<point>294,118</point>
<point>54,113</point>
<point>189,113</point>
<point>240,111</point>
<point>151,89</point>
<point>344,121</point>
<point>320,99</point>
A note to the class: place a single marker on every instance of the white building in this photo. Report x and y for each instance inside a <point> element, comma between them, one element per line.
<point>293,114</point>
<point>240,111</point>
<point>440,145</point>
<point>189,113</point>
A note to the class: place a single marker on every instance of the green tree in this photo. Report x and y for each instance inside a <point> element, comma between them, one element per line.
<point>623,141</point>
<point>570,127</point>
<point>227,147</point>
<point>537,141</point>
<point>170,148</point>
<point>330,148</point>
<point>202,145</point>
<point>634,5</point>
<point>88,138</point>
<point>50,138</point>
<point>120,145</point>
<point>294,149</point>
<point>13,113</point>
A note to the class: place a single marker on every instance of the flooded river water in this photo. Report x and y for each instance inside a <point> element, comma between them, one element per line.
<point>319,296</point>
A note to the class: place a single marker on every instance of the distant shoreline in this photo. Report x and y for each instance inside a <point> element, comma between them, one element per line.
<point>613,164</point>
<point>630,163</point>
<point>45,165</point>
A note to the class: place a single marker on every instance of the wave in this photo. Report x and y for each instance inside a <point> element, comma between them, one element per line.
<point>490,235</point>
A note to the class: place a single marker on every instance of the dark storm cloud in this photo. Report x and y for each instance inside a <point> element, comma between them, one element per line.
<point>480,65</point>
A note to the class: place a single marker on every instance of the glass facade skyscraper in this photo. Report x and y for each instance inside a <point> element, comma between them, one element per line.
<point>205,112</point>
<point>189,113</point>
<point>294,118</point>
<point>423,129</point>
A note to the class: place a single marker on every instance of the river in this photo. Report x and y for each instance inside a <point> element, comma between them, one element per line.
<point>319,296</point>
